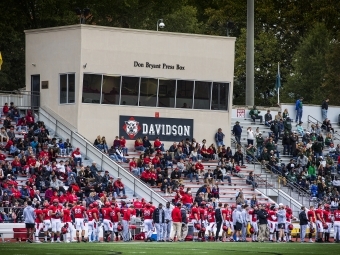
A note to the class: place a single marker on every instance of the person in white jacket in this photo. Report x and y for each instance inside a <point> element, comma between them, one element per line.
<point>281,221</point>
<point>250,136</point>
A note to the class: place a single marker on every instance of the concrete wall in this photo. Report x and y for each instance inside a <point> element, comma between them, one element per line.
<point>113,51</point>
<point>50,52</point>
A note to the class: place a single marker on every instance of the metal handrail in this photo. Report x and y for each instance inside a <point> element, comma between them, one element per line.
<point>321,123</point>
<point>302,193</point>
<point>130,181</point>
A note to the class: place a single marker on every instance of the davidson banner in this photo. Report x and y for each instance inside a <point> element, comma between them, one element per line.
<point>167,129</point>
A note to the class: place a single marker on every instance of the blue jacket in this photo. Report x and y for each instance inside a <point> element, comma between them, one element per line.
<point>219,137</point>
<point>237,130</point>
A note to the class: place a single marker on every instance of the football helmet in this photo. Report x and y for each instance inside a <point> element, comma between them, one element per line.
<point>252,230</point>
<point>225,227</point>
<point>290,226</point>
<point>119,227</point>
<point>197,226</point>
<point>107,204</point>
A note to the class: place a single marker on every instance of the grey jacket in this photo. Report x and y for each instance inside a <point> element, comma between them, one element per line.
<point>281,216</point>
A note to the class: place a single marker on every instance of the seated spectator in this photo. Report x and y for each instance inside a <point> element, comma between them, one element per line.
<point>119,187</point>
<point>133,167</point>
<point>3,136</point>
<point>15,115</point>
<point>147,145</point>
<point>68,146</point>
<point>156,161</point>
<point>22,125</point>
<point>251,180</point>
<point>205,153</point>
<point>194,156</point>
<point>250,151</point>
<point>139,145</point>
<point>123,146</point>
<point>168,160</point>
<point>299,128</point>
<point>209,177</point>
<point>328,139</point>
<point>120,155</point>
<point>98,143</point>
<point>112,154</point>
<point>215,193</point>
<point>166,186</point>
<point>76,155</point>
<point>193,172</point>
<point>179,154</point>
<point>29,118</point>
<point>238,157</point>
<point>93,169</point>
<point>326,125</point>
<point>254,114</point>
<point>268,118</point>
<point>158,145</point>
<point>148,177</point>
<point>199,166</point>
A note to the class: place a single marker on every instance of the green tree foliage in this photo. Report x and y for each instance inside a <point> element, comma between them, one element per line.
<point>280,26</point>
<point>309,65</point>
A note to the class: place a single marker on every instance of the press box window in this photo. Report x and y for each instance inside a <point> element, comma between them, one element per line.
<point>92,85</point>
<point>67,88</point>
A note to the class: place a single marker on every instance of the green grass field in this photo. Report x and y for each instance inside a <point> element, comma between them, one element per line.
<point>167,248</point>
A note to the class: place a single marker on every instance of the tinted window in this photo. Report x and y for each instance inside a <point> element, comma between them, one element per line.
<point>129,92</point>
<point>110,89</point>
<point>63,88</point>
<point>185,91</point>
<point>92,88</point>
<point>166,93</point>
<point>148,92</point>
<point>202,95</point>
<point>220,94</point>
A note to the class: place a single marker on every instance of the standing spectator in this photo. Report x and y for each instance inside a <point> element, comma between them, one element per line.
<point>219,136</point>
<point>168,221</point>
<point>254,114</point>
<point>176,222</point>
<point>29,219</point>
<point>298,108</point>
<point>184,228</point>
<point>250,136</point>
<point>303,223</point>
<point>324,109</point>
<point>218,220</point>
<point>281,221</point>
<point>262,215</point>
<point>159,221</point>
<point>237,131</point>
<point>5,109</point>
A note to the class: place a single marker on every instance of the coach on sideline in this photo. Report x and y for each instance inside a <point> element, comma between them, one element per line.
<point>29,219</point>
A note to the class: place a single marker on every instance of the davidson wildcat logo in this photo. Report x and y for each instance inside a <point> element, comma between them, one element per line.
<point>131,127</point>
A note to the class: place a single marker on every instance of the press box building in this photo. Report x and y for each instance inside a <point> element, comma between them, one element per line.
<point>113,81</point>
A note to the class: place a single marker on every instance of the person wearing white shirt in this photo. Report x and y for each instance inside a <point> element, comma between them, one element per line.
<point>250,136</point>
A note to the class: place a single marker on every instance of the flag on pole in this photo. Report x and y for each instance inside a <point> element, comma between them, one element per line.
<point>278,78</point>
<point>0,60</point>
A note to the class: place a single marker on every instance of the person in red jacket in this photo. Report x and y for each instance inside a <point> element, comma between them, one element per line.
<point>29,118</point>
<point>22,125</point>
<point>176,222</point>
<point>199,166</point>
<point>158,144</point>
<point>76,155</point>
<point>123,145</point>
<point>133,167</point>
<point>5,109</point>
<point>32,162</point>
<point>147,160</point>
<point>119,187</point>
<point>156,161</point>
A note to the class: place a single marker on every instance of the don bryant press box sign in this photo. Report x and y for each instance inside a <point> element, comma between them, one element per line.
<point>167,129</point>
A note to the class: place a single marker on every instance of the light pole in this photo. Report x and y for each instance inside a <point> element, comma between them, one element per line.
<point>160,24</point>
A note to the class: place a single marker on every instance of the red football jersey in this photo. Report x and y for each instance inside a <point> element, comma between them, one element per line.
<point>148,213</point>
<point>67,215</point>
<point>114,214</point>
<point>138,204</point>
<point>38,213</point>
<point>55,209</point>
<point>272,216</point>
<point>46,214</point>
<point>89,215</point>
<point>289,217</point>
<point>226,214</point>
<point>211,217</point>
<point>319,214</point>
<point>253,215</point>
<point>95,214</point>
<point>203,213</point>
<point>127,215</point>
<point>106,212</point>
<point>194,215</point>
<point>336,214</point>
<point>311,216</point>
<point>78,211</point>
<point>327,216</point>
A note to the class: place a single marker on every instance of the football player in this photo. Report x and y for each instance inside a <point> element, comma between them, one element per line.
<point>115,219</point>
<point>319,223</point>
<point>47,219</point>
<point>39,219</point>
<point>211,222</point>
<point>289,217</point>
<point>327,215</point>
<point>80,215</point>
<point>336,214</point>
<point>253,222</point>
<point>68,225</point>
<point>194,217</point>
<point>227,221</point>
<point>56,213</point>
<point>272,221</point>
<point>106,212</point>
<point>312,220</point>
<point>148,222</point>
